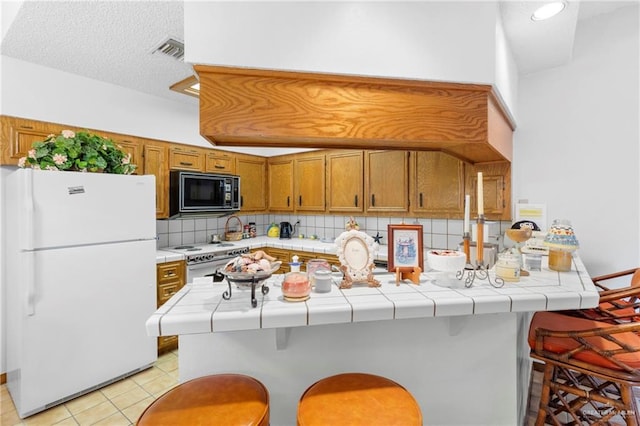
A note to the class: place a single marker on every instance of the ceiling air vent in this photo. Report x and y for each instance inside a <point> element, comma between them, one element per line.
<point>171,47</point>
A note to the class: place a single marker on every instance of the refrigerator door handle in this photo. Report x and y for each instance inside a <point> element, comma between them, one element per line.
<point>30,281</point>
<point>28,243</point>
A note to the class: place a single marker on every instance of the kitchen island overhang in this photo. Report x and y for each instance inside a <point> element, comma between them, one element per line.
<point>450,347</point>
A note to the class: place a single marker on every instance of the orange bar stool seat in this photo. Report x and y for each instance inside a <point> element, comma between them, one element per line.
<point>358,399</point>
<point>221,399</point>
<point>591,359</point>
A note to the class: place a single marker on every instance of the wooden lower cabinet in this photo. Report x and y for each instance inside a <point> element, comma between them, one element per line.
<point>303,257</point>
<point>170,278</point>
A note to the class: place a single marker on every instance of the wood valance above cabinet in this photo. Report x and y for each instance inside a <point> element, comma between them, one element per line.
<point>249,107</point>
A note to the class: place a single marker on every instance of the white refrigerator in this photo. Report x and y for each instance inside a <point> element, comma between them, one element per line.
<point>80,282</point>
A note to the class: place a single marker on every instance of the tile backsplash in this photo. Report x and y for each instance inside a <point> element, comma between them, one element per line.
<point>437,233</point>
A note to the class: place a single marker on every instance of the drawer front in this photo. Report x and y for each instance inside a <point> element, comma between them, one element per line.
<point>169,272</point>
<point>165,291</point>
<point>186,160</point>
<point>220,164</point>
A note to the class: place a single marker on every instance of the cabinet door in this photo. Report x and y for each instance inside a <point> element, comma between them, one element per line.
<point>133,147</point>
<point>437,184</point>
<point>220,162</point>
<point>19,134</point>
<point>281,185</point>
<point>345,186</point>
<point>155,163</point>
<point>496,182</point>
<point>309,183</point>
<point>186,159</point>
<point>253,191</point>
<point>386,181</point>
<point>282,255</point>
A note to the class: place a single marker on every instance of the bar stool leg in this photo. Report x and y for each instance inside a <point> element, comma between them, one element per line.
<point>545,394</point>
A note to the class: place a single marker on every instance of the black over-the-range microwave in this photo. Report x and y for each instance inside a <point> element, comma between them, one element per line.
<point>203,193</point>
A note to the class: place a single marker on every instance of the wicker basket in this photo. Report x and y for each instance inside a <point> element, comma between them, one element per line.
<point>232,235</point>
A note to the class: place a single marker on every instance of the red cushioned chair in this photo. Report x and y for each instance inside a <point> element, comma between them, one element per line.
<point>591,359</point>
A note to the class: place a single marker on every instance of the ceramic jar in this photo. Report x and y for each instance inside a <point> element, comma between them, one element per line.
<point>315,264</point>
<point>296,287</point>
<point>560,260</point>
<point>508,266</point>
<point>322,280</point>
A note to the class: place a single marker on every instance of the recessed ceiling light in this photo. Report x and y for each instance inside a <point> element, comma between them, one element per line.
<point>549,10</point>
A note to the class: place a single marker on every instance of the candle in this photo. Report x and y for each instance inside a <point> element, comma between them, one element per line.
<point>480,195</point>
<point>467,202</point>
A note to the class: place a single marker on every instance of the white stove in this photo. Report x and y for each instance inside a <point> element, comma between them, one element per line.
<point>201,253</point>
<point>204,260</point>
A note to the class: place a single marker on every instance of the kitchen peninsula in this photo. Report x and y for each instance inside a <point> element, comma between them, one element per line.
<point>460,351</point>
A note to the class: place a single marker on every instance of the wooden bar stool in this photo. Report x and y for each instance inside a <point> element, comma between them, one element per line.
<point>221,399</point>
<point>358,399</point>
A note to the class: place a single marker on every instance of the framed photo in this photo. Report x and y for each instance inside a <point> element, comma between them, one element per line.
<point>405,247</point>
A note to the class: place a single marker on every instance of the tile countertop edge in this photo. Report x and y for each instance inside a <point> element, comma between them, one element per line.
<point>565,290</point>
<point>165,254</point>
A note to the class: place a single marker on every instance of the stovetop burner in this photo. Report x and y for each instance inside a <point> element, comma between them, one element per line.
<point>222,244</point>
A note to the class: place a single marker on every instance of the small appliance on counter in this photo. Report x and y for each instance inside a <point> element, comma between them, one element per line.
<point>286,230</point>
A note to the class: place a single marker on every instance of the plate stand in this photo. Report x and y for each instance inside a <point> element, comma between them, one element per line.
<point>412,274</point>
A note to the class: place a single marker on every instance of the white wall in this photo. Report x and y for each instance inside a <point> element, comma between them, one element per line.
<point>434,40</point>
<point>46,94</point>
<point>577,143</point>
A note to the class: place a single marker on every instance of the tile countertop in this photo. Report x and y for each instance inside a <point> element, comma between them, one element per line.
<point>200,308</point>
<point>302,244</point>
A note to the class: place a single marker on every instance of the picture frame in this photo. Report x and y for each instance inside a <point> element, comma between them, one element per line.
<point>356,254</point>
<point>405,248</point>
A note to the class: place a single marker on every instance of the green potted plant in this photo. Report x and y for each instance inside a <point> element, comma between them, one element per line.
<point>81,151</point>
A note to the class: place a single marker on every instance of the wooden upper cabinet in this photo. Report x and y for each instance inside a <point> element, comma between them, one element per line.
<point>280,173</point>
<point>496,182</point>
<point>18,134</point>
<point>309,182</point>
<point>386,176</point>
<point>437,184</point>
<point>253,190</point>
<point>345,181</point>
<point>155,162</point>
<point>220,162</point>
<point>134,147</point>
<point>184,158</point>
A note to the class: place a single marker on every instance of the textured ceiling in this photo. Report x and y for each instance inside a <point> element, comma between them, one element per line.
<point>112,41</point>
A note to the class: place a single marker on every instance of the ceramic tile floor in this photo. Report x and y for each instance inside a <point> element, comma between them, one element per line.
<point>117,404</point>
